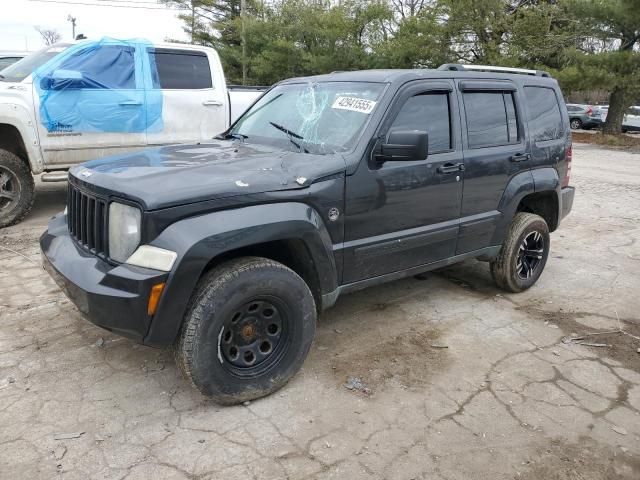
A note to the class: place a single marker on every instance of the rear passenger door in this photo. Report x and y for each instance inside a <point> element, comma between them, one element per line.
<point>193,107</point>
<point>495,149</point>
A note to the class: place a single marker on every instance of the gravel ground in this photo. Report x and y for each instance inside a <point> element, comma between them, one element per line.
<point>379,395</point>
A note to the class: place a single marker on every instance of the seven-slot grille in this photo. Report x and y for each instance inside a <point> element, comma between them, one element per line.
<point>87,220</point>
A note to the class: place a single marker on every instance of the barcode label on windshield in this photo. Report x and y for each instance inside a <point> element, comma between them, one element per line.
<point>354,104</point>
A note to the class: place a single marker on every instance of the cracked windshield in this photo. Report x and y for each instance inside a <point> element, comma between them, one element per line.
<point>317,118</point>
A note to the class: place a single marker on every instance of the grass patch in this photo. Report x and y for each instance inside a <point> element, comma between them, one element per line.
<point>621,141</point>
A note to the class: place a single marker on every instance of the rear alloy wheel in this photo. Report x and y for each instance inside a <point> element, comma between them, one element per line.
<point>17,189</point>
<point>524,253</point>
<point>575,124</point>
<point>530,255</point>
<point>247,331</point>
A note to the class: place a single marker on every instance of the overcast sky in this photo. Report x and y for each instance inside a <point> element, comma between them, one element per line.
<point>18,18</point>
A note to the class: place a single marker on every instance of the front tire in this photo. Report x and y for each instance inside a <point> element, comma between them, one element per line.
<point>247,330</point>
<point>17,189</point>
<point>523,255</point>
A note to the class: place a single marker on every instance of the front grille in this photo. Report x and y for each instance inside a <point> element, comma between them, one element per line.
<point>87,220</point>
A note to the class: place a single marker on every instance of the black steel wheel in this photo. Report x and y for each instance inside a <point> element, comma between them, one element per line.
<point>17,189</point>
<point>247,330</point>
<point>524,253</point>
<point>254,336</point>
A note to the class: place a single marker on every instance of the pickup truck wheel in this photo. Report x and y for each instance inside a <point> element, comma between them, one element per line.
<point>17,189</point>
<point>247,331</point>
<point>523,254</point>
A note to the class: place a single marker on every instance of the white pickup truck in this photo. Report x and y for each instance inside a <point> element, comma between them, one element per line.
<point>69,103</point>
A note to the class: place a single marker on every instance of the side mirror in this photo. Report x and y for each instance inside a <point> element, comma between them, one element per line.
<point>62,80</point>
<point>405,145</point>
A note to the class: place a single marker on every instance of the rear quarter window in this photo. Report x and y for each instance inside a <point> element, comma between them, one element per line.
<point>543,114</point>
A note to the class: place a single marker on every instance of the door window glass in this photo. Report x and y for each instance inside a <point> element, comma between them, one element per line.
<point>428,112</point>
<point>180,69</point>
<point>545,121</point>
<point>491,119</point>
<point>102,66</point>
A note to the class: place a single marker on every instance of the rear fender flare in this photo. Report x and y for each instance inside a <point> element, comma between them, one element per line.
<point>524,183</point>
<point>518,187</point>
<point>546,179</point>
<point>199,240</point>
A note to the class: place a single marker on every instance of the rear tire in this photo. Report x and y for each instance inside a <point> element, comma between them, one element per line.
<point>247,330</point>
<point>523,255</point>
<point>17,189</point>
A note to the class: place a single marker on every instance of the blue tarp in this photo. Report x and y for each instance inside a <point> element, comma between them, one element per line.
<point>100,86</point>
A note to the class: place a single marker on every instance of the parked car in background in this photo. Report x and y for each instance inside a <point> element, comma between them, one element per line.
<point>582,116</point>
<point>70,103</point>
<point>9,58</point>
<point>630,121</point>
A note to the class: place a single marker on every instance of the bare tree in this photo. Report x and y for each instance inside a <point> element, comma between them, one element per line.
<point>48,36</point>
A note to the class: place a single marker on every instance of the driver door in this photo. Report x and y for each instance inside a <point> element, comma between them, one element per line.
<point>90,105</point>
<point>403,214</point>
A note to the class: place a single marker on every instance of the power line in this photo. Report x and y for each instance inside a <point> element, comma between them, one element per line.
<point>67,2</point>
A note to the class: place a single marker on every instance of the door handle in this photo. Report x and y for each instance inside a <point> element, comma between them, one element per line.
<point>210,103</point>
<point>130,103</point>
<point>451,168</point>
<point>520,157</point>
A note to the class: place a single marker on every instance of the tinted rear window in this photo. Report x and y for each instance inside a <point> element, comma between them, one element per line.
<point>491,118</point>
<point>545,120</point>
<point>184,70</point>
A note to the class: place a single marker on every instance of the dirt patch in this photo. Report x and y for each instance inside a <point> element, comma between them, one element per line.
<point>584,461</point>
<point>620,346</point>
<point>622,142</point>
<point>409,359</point>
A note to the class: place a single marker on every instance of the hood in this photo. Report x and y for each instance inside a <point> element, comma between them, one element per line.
<point>180,174</point>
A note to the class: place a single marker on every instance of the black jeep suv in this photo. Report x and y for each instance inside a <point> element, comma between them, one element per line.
<point>228,250</point>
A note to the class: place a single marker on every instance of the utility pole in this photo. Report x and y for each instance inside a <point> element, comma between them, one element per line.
<point>243,10</point>
<point>193,20</point>
<point>73,26</point>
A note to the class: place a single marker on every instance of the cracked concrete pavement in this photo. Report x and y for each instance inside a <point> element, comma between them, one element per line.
<point>506,398</point>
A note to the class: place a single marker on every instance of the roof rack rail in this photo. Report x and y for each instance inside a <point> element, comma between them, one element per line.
<point>457,67</point>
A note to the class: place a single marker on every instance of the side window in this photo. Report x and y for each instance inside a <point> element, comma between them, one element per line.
<point>180,69</point>
<point>545,120</point>
<point>428,112</point>
<point>491,119</point>
<point>103,66</point>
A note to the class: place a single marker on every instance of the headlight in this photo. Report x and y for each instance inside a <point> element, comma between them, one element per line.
<point>124,230</point>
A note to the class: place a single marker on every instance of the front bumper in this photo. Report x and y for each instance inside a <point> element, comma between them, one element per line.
<point>112,297</point>
<point>567,194</point>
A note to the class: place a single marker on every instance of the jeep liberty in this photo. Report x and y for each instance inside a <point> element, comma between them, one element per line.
<point>229,249</point>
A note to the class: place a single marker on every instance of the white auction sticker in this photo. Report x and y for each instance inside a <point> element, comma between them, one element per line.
<point>354,104</point>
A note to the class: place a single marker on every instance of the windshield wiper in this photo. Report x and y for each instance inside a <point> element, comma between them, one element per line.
<point>291,135</point>
<point>237,136</point>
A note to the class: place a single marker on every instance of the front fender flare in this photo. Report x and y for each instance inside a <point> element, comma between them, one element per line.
<point>198,240</point>
<point>18,116</point>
